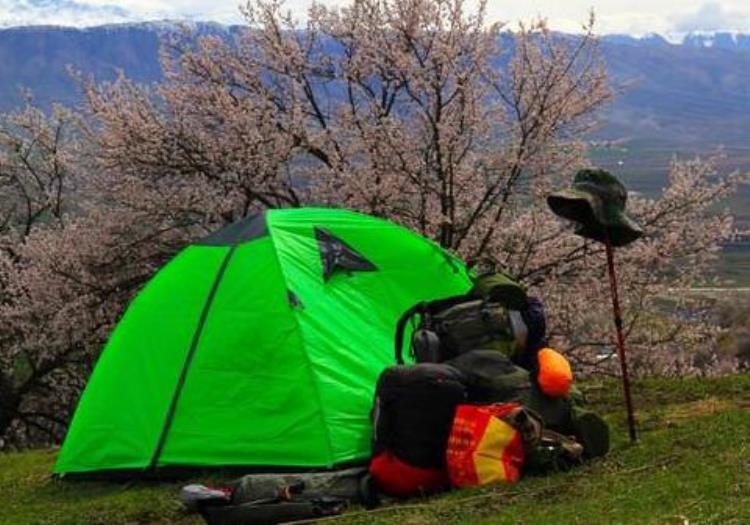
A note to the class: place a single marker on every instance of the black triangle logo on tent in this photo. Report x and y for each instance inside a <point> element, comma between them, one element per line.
<point>337,255</point>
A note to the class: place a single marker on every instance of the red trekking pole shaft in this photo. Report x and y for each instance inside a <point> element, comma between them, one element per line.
<point>620,340</point>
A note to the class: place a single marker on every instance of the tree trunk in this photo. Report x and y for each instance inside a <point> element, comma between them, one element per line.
<point>9,402</point>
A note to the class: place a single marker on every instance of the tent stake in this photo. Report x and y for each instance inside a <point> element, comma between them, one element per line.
<point>620,340</point>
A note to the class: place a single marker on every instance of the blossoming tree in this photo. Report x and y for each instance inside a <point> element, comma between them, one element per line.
<point>419,111</point>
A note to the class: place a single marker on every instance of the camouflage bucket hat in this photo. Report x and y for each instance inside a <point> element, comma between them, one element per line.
<point>596,202</point>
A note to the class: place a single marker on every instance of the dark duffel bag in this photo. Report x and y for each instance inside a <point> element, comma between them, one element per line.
<point>412,417</point>
<point>413,412</point>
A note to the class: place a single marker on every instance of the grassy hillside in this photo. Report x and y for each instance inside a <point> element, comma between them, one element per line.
<point>692,465</point>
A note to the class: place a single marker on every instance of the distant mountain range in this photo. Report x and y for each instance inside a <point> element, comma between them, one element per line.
<point>694,95</point>
<point>685,97</point>
<point>38,57</point>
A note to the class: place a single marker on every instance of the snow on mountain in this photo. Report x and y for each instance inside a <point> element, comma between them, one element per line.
<point>719,39</point>
<point>733,40</point>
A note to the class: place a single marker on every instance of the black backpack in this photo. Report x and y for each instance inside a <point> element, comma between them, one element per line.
<point>488,317</point>
<point>413,412</point>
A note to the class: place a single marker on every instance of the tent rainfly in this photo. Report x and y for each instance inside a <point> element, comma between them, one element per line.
<point>258,346</point>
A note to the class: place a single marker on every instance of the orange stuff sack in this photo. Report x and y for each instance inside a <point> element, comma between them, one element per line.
<point>555,375</point>
<point>482,447</point>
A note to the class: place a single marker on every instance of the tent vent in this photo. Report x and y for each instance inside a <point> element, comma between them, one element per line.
<point>337,255</point>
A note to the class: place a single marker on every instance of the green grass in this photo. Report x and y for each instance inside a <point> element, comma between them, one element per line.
<point>28,495</point>
<point>692,465</point>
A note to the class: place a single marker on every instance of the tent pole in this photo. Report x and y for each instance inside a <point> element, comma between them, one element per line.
<point>620,339</point>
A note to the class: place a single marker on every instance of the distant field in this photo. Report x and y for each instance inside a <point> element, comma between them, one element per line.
<point>644,168</point>
<point>734,265</point>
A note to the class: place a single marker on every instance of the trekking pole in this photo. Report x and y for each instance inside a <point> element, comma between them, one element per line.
<point>620,339</point>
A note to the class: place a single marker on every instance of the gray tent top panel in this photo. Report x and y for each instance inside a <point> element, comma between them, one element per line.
<point>251,227</point>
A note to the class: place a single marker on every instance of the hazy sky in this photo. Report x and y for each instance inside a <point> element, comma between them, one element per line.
<point>614,16</point>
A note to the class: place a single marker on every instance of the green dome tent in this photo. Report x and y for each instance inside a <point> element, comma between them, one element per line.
<point>258,346</point>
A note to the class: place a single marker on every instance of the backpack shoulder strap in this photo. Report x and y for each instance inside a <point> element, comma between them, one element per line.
<point>401,327</point>
<point>423,308</point>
